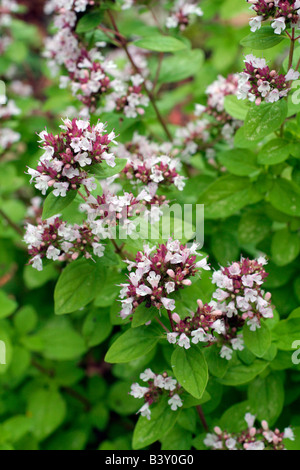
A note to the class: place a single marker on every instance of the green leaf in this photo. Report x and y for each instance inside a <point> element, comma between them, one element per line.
<point>59,341</point>
<point>253,227</point>
<point>190,369</point>
<point>240,374</point>
<point>25,319</point>
<point>266,396</point>
<point>120,401</point>
<point>286,332</point>
<point>162,421</point>
<point>89,21</point>
<point>217,366</point>
<point>142,315</point>
<point>77,285</point>
<point>238,109</point>
<point>160,43</point>
<point>239,162</point>
<point>258,341</point>
<point>285,247</point>
<point>264,119</point>
<point>97,327</point>
<point>180,66</point>
<point>103,171</point>
<point>262,39</point>
<point>132,344</point>
<point>233,420</point>
<point>47,410</point>
<point>225,196</point>
<point>178,438</point>
<point>54,205</point>
<point>285,196</point>
<point>7,305</point>
<point>274,152</point>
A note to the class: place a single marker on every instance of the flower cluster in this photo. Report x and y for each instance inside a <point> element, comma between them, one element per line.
<point>54,239</point>
<point>8,109</point>
<point>239,292</point>
<point>239,300</point>
<point>159,272</point>
<point>127,97</point>
<point>87,78</point>
<point>258,83</point>
<point>68,155</point>
<point>201,327</point>
<point>147,164</point>
<point>7,9</point>
<point>216,93</point>
<point>157,385</point>
<point>109,211</point>
<point>181,14</point>
<point>283,13</point>
<point>253,438</point>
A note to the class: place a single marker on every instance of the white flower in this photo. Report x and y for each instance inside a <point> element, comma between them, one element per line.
<point>288,434</point>
<point>278,25</point>
<point>250,419</point>
<point>253,324</point>
<point>199,335</point>
<point>37,263</point>
<point>226,353</point>
<point>60,189</point>
<point>169,304</point>
<point>145,411</point>
<point>147,375</point>
<point>171,337</point>
<point>258,445</point>
<point>52,253</point>
<point>154,279</point>
<point>255,23</point>
<point>170,287</point>
<point>219,327</point>
<point>143,290</point>
<point>170,383</point>
<point>230,443</point>
<point>175,402</point>
<point>237,344</point>
<point>98,249</point>
<point>292,75</point>
<point>184,341</point>
<point>137,391</point>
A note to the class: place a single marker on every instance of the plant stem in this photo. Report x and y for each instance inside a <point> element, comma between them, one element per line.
<point>70,391</point>
<point>11,223</point>
<point>292,48</point>
<point>162,325</point>
<point>136,68</point>
<point>171,320</point>
<point>202,417</point>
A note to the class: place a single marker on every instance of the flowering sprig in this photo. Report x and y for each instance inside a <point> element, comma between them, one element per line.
<point>258,83</point>
<point>149,166</point>
<point>182,13</point>
<point>54,239</point>
<point>239,294</point>
<point>240,301</point>
<point>157,385</point>
<point>69,154</point>
<point>159,272</point>
<point>283,13</point>
<point>261,438</point>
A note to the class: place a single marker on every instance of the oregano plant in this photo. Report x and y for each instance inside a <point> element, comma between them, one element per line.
<point>149,225</point>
